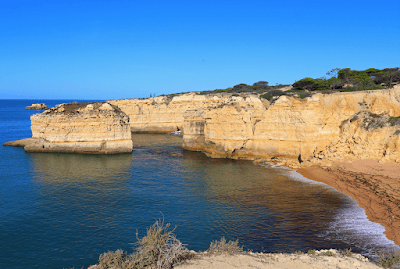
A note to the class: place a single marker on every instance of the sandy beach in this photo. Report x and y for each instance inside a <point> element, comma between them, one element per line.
<point>375,187</point>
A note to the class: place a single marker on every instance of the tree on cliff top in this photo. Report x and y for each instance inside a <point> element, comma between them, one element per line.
<point>392,74</point>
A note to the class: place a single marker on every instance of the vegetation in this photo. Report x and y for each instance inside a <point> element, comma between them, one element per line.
<point>311,252</point>
<point>389,259</point>
<point>258,87</point>
<point>343,80</point>
<point>223,247</point>
<point>329,253</point>
<point>347,252</point>
<point>346,78</point>
<point>339,79</point>
<point>271,93</point>
<point>394,121</point>
<point>158,249</point>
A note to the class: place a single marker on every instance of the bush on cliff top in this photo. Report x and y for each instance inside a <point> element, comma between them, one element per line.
<point>389,259</point>
<point>158,249</point>
<point>223,247</point>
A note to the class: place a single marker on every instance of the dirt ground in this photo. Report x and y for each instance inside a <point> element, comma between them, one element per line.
<point>278,261</point>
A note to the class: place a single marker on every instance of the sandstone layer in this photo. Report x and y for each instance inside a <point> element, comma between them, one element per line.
<point>92,128</point>
<point>318,129</point>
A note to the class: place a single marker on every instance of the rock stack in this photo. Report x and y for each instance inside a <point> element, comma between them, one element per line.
<point>38,106</point>
<point>91,128</point>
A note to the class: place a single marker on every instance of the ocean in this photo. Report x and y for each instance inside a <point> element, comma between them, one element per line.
<point>63,210</point>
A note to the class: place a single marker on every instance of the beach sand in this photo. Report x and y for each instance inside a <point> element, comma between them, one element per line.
<point>375,187</point>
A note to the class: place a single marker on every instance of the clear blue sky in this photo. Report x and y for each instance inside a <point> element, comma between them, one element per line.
<point>66,49</point>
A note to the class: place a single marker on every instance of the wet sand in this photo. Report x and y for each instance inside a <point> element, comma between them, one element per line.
<point>375,187</point>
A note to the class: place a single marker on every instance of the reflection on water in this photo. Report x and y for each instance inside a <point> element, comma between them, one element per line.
<point>58,167</point>
<point>64,210</point>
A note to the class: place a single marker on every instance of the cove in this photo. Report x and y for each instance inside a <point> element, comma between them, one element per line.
<point>64,210</point>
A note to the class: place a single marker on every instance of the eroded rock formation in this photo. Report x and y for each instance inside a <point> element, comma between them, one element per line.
<point>38,106</point>
<point>93,128</point>
<point>164,114</point>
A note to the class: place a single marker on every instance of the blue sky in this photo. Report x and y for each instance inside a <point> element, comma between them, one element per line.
<point>128,49</point>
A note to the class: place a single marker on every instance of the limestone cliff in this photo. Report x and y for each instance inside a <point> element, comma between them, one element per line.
<point>95,128</point>
<point>290,130</point>
<point>164,114</point>
<point>312,130</point>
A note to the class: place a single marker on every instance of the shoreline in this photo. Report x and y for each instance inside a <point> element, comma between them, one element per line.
<point>374,186</point>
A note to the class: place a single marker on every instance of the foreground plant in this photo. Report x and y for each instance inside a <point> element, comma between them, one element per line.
<point>389,259</point>
<point>158,249</point>
<point>223,247</point>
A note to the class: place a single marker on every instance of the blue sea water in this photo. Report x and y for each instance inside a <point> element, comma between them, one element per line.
<point>64,210</point>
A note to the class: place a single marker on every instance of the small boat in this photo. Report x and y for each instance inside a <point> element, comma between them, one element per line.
<point>176,132</point>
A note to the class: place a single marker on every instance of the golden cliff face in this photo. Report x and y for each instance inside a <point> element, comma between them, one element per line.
<point>164,114</point>
<point>221,131</point>
<point>81,127</point>
<point>317,129</point>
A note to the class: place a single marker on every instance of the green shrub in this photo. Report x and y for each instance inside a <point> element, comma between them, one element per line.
<point>394,121</point>
<point>261,84</point>
<point>311,252</point>
<point>305,84</point>
<point>329,253</point>
<point>223,247</point>
<point>271,93</point>
<point>303,95</point>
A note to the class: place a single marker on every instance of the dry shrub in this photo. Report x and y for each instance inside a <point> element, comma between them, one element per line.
<point>223,247</point>
<point>111,259</point>
<point>158,249</point>
<point>389,259</point>
<point>329,253</point>
<point>347,252</point>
